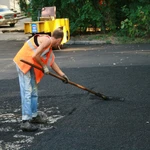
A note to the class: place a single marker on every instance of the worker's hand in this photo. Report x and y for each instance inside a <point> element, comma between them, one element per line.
<point>66,79</point>
<point>46,70</point>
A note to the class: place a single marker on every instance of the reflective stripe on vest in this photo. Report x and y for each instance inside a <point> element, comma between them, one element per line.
<point>44,53</point>
<point>34,49</point>
<point>26,53</point>
<point>31,45</point>
<point>51,59</point>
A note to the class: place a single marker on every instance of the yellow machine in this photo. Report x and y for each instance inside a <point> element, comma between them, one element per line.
<point>47,25</point>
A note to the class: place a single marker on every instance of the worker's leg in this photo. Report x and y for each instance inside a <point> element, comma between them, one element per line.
<point>25,91</point>
<point>37,117</point>
<point>34,94</point>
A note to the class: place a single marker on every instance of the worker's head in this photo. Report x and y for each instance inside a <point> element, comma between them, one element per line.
<point>58,35</point>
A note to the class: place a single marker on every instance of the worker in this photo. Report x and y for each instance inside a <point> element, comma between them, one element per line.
<point>38,51</point>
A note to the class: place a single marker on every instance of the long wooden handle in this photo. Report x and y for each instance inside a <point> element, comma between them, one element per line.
<point>70,82</point>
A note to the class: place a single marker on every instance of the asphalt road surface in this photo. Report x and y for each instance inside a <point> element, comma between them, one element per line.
<point>79,120</point>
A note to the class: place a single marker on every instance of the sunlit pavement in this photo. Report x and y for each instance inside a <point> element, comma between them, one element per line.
<point>78,120</point>
<point>17,33</point>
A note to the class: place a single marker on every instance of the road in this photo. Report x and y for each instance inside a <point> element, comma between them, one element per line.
<point>18,26</point>
<point>7,33</point>
<point>78,120</point>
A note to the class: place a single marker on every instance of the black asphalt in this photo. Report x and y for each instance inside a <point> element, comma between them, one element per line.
<point>79,120</point>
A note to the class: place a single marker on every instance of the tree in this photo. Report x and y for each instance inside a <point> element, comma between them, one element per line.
<point>136,23</point>
<point>129,17</point>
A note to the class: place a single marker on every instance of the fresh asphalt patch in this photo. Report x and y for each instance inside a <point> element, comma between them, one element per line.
<point>78,120</point>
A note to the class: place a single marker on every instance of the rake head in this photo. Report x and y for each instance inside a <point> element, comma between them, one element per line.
<point>109,98</point>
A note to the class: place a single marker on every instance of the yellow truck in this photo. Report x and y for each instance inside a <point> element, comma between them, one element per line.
<point>47,24</point>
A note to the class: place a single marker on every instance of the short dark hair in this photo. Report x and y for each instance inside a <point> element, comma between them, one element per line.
<point>58,33</point>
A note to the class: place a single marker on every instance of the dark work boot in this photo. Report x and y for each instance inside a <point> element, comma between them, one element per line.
<point>41,118</point>
<point>26,126</point>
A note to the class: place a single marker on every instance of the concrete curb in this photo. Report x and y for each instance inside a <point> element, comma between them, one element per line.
<point>12,30</point>
<point>94,42</point>
<point>20,36</point>
<point>15,30</point>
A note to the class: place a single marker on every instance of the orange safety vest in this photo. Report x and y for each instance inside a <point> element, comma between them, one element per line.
<point>26,53</point>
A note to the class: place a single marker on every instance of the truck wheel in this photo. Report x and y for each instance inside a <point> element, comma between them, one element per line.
<point>12,24</point>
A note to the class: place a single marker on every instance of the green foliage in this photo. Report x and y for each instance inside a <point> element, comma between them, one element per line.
<point>80,13</point>
<point>130,17</point>
<point>137,21</point>
<point>24,6</point>
<point>33,9</point>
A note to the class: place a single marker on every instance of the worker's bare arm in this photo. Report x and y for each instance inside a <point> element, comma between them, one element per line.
<point>43,43</point>
<point>56,68</point>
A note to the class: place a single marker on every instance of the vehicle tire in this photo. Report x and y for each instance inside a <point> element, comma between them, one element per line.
<point>12,24</point>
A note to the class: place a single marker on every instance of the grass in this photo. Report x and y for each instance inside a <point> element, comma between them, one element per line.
<point>111,38</point>
<point>128,40</point>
